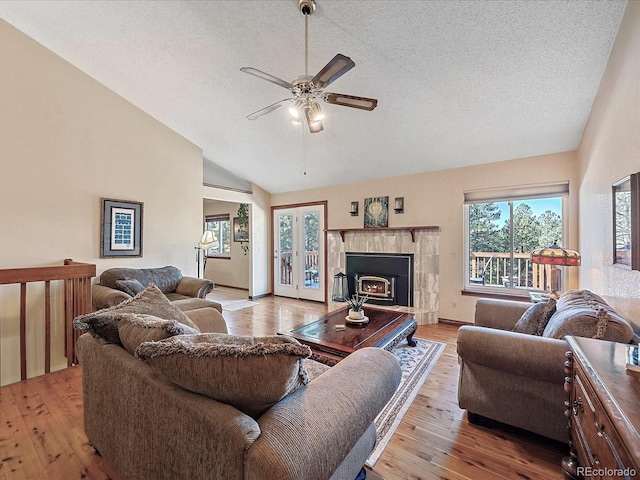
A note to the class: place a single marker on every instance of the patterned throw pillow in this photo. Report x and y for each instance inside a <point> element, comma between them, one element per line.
<point>582,313</point>
<point>134,329</point>
<point>130,286</point>
<point>250,373</point>
<point>103,324</point>
<point>534,320</point>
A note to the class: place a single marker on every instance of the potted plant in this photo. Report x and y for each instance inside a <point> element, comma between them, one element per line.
<point>355,306</point>
<point>243,226</point>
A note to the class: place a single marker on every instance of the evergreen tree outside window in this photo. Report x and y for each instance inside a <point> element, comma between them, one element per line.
<point>220,225</point>
<point>503,228</point>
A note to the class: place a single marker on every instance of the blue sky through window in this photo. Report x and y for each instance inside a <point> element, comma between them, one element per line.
<point>538,206</point>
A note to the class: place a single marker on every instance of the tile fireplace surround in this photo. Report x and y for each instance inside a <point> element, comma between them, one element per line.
<point>426,251</point>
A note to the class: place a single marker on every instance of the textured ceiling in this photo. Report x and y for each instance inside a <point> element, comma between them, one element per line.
<point>458,82</point>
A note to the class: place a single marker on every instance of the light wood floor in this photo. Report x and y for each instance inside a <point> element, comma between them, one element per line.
<point>41,434</point>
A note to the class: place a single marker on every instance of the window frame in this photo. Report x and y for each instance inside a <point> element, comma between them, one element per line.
<point>218,218</point>
<point>510,195</point>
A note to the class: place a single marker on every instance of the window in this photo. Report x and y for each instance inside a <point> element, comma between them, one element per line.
<point>221,227</point>
<point>503,227</point>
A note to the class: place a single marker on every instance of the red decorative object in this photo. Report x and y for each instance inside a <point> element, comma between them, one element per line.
<point>555,256</point>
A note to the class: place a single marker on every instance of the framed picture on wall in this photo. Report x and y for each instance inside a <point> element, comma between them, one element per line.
<point>240,234</point>
<point>376,212</point>
<point>121,228</point>
<point>626,224</point>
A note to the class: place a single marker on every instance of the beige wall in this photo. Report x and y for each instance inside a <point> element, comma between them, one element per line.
<point>65,142</point>
<point>234,271</point>
<point>609,151</point>
<point>437,199</point>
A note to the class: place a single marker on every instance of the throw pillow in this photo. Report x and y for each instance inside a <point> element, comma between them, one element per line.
<point>130,286</point>
<point>134,329</point>
<point>582,313</point>
<point>250,373</point>
<point>534,320</point>
<point>103,324</point>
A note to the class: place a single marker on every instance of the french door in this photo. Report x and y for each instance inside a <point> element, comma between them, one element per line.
<point>299,252</point>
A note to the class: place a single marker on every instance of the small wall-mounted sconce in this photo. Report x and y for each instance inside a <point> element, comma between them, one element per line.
<point>354,209</point>
<point>398,205</point>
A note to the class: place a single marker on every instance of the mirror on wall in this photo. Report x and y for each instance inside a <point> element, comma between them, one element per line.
<point>626,224</point>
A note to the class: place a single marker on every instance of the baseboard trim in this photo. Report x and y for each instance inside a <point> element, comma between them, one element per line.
<point>453,322</point>
<point>254,297</point>
<point>231,286</point>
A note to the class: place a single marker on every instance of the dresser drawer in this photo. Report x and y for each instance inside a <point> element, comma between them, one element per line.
<point>599,448</point>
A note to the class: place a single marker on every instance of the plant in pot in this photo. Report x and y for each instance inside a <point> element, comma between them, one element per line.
<point>355,306</point>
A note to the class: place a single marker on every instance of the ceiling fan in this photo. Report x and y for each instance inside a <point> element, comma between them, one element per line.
<point>308,90</point>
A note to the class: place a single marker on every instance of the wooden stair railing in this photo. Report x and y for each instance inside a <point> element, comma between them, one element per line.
<point>77,301</point>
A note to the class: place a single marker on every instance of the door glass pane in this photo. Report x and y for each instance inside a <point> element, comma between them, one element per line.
<point>285,244</point>
<point>311,245</point>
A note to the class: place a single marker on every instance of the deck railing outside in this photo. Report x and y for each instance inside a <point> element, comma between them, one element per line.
<point>493,269</point>
<point>75,295</point>
<point>310,265</point>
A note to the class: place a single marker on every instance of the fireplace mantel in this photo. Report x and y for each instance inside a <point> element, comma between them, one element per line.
<point>411,230</point>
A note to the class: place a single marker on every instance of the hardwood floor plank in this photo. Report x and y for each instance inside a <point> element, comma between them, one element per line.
<point>41,431</point>
<point>18,455</point>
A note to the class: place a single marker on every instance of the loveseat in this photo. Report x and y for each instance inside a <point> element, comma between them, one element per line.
<point>517,377</point>
<point>116,285</point>
<point>148,427</point>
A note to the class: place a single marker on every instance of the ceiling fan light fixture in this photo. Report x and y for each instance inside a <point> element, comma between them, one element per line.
<point>315,112</point>
<point>316,127</point>
<point>295,109</point>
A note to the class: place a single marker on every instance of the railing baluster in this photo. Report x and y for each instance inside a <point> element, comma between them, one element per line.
<point>47,326</point>
<point>23,331</point>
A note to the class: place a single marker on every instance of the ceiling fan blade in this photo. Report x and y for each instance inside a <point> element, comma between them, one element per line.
<point>269,109</point>
<point>267,77</point>
<point>338,66</point>
<point>352,101</point>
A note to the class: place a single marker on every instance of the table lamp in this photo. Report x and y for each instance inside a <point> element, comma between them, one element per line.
<point>555,256</point>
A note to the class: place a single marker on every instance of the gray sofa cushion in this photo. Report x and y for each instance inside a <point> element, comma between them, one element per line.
<point>165,278</point>
<point>250,373</point>
<point>582,313</point>
<point>134,329</point>
<point>534,320</point>
<point>103,324</point>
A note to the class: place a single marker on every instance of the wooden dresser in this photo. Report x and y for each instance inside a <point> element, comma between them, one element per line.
<point>603,411</point>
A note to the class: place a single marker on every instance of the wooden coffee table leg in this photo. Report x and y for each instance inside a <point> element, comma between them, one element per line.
<point>410,341</point>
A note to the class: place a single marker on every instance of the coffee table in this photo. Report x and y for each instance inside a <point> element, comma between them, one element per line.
<point>385,329</point>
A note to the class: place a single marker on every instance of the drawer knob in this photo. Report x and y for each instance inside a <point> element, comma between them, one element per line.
<point>578,406</point>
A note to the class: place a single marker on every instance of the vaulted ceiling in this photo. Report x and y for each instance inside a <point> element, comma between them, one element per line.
<point>458,82</point>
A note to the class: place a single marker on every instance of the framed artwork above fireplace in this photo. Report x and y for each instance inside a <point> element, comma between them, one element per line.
<point>376,212</point>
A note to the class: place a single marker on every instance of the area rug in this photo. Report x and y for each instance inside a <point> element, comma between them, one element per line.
<point>416,362</point>
<point>237,305</point>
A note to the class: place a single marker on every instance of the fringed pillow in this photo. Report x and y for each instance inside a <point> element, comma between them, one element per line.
<point>130,286</point>
<point>582,313</point>
<point>103,324</point>
<point>250,373</point>
<point>134,329</point>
